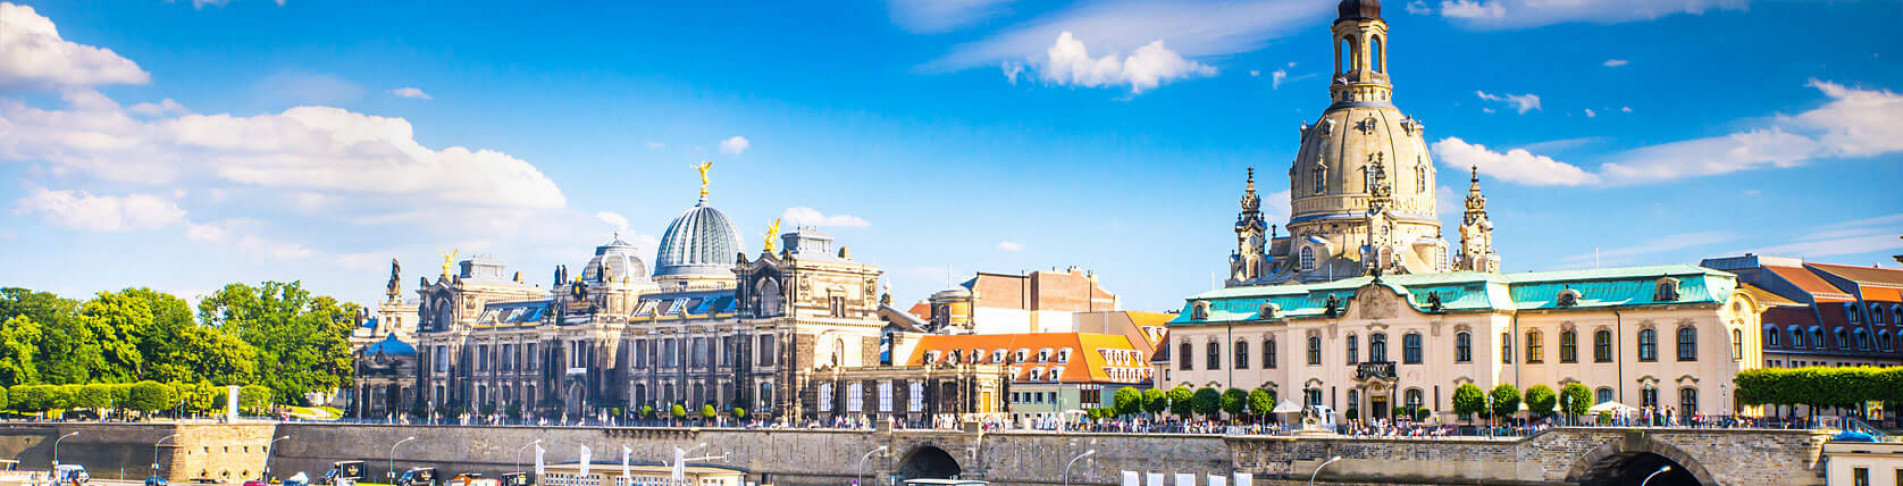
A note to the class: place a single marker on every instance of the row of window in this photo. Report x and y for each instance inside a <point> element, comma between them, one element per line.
<point>1801,338</point>
<point>1878,316</point>
<point>1411,349</point>
<point>1648,397</point>
<point>700,352</point>
<point>695,394</point>
<point>977,356</point>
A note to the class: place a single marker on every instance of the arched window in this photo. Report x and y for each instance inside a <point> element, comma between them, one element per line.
<point>1242,355</point>
<point>1687,401</point>
<point>1411,348</point>
<point>1506,348</point>
<point>1378,348</point>
<point>1876,314</point>
<point>1215,356</point>
<point>1687,344</point>
<point>1603,395</point>
<point>1308,258</point>
<point>1187,353</point>
<point>1817,337</point>
<point>1648,396</point>
<point>1535,347</point>
<point>1797,337</point>
<point>1314,351</point>
<point>1379,60</point>
<point>1413,399</point>
<point>1463,347</point>
<point>1602,346</point>
<point>1883,341</point>
<point>1344,56</point>
<point>1737,344</point>
<point>766,397</point>
<point>1648,345</point>
<point>1843,338</point>
<point>1354,349</point>
<point>1772,335</point>
<point>1420,178</point>
<point>1863,340</point>
<point>1568,346</point>
<point>1268,353</point>
<point>1321,180</point>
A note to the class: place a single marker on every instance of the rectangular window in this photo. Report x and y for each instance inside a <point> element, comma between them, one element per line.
<point>1860,476</point>
<point>534,359</point>
<point>885,396</point>
<point>1535,347</point>
<point>1215,357</point>
<point>1568,347</point>
<point>482,357</point>
<point>1268,354</point>
<point>1184,356</point>
<point>768,356</point>
<point>1506,348</point>
<point>640,353</point>
<point>1314,351</point>
<point>855,397</point>
<point>1602,346</point>
<point>1411,348</point>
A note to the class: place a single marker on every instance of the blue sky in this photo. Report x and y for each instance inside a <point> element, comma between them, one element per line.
<point>183,145</point>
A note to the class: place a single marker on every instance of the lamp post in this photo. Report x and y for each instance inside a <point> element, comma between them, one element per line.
<point>1318,469</point>
<point>155,452</point>
<point>392,472</point>
<point>1662,470</point>
<point>56,448</point>
<point>1073,460</point>
<point>860,472</point>
<point>1565,407</point>
<point>270,450</point>
<point>518,454</point>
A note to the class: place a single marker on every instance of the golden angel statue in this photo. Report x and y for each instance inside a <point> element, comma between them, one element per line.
<point>702,167</point>
<point>448,259</point>
<point>772,233</point>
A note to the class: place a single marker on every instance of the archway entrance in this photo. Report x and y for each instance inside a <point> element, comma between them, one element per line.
<point>1631,468</point>
<point>928,462</point>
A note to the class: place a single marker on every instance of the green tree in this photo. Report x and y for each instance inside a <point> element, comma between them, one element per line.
<point>50,316</point>
<point>1469,400</point>
<point>678,411</point>
<point>19,348</point>
<point>1155,401</point>
<point>254,397</point>
<point>26,398</point>
<point>1180,401</point>
<point>1575,399</point>
<point>1261,402</point>
<point>1128,400</point>
<point>1540,400</point>
<point>301,340</point>
<point>707,411</point>
<point>93,397</point>
<point>1235,402</point>
<point>1207,401</point>
<point>1506,400</point>
<point>148,396</point>
<point>739,413</point>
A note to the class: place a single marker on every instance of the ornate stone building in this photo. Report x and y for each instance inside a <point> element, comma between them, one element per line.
<point>1360,307</point>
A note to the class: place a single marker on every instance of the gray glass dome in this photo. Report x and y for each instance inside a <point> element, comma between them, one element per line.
<point>702,242</point>
<point>615,261</point>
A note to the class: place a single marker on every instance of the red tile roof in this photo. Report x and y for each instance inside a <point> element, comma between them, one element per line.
<point>1820,290</point>
<point>1091,359</point>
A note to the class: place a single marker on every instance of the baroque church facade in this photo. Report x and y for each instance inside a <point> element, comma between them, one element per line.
<point>1361,307</point>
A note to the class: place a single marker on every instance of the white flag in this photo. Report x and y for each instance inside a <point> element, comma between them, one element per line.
<point>680,465</point>
<point>626,453</point>
<point>584,461</point>
<point>1154,479</point>
<point>1185,479</point>
<point>539,464</point>
<point>1218,480</point>
<point>1130,478</point>
<point>1245,479</point>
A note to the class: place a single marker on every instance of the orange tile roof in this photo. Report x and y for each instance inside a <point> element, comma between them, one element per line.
<point>922,310</point>
<point>1087,362</point>
<point>1878,284</point>
<point>1819,289</point>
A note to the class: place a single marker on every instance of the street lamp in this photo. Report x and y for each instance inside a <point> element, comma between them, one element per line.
<point>392,472</point>
<point>1318,469</point>
<point>1662,470</point>
<point>1073,460</point>
<point>56,448</point>
<point>270,450</point>
<point>155,453</point>
<point>860,473</point>
<point>518,454</point>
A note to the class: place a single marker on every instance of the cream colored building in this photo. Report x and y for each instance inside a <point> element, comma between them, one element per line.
<point>1361,306</point>
<point>1863,463</point>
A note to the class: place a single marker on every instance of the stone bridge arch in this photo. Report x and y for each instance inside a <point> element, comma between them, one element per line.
<point>928,460</point>
<point>1617,462</point>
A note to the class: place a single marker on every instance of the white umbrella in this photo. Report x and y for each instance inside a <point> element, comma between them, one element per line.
<point>1610,407</point>
<point>1287,406</point>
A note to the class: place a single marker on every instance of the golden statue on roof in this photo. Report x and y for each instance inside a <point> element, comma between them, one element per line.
<point>448,259</point>
<point>772,231</point>
<point>702,167</point>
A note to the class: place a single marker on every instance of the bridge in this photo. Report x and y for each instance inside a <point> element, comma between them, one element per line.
<point>1562,456</point>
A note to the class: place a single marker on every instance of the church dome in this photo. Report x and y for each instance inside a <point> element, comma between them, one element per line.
<point>700,244</point>
<point>1359,9</point>
<point>615,261</point>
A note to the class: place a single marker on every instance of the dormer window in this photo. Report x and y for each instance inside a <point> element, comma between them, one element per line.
<point>1063,355</point>
<point>1044,355</point>
<point>1199,310</point>
<point>1568,297</point>
<point>997,357</point>
<point>1021,355</point>
<point>1667,290</point>
<point>931,357</point>
<point>1851,311</point>
<point>1057,373</point>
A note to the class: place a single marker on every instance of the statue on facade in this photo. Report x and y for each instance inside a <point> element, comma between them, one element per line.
<point>448,259</point>
<point>772,231</point>
<point>703,166</point>
<point>396,273</point>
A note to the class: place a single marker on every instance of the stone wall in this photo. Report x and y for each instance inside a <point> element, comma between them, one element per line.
<point>218,451</point>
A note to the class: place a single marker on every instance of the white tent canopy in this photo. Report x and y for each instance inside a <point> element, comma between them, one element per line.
<point>1287,406</point>
<point>1610,407</point>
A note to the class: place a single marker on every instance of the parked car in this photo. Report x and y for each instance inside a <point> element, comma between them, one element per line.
<point>419,476</point>
<point>155,481</point>
<point>299,479</point>
<point>71,474</point>
<point>256,482</point>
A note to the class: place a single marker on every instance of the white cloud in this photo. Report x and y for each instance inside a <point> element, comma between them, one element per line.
<point>1856,122</point>
<point>935,16</point>
<point>1276,78</point>
<point>1591,114</point>
<point>805,216</point>
<point>1867,235</point>
<point>1520,102</point>
<point>79,210</point>
<point>1516,165</point>
<point>1254,73</point>
<point>33,56</point>
<point>1276,206</point>
<point>734,145</point>
<point>297,88</point>
<point>1068,62</point>
<point>656,145</point>
<point>1772,147</point>
<point>1193,28</point>
<point>619,222</point>
<point>1419,7</point>
<point>1010,246</point>
<point>1616,62</point>
<point>165,107</point>
<point>409,92</point>
<point>1625,109</point>
<point>1515,14</point>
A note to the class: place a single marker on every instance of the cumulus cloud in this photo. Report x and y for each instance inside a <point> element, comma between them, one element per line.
<point>298,88</point>
<point>33,56</point>
<point>1516,14</point>
<point>1419,7</point>
<point>1010,246</point>
<point>408,92</point>
<point>1520,102</point>
<point>734,145</point>
<point>1616,62</point>
<point>83,211</point>
<point>1193,28</point>
<point>1276,78</point>
<point>805,216</point>
<point>619,222</point>
<point>1068,62</point>
<point>164,107</point>
<point>1855,123</point>
<point>1516,165</point>
<point>935,16</point>
<point>1591,114</point>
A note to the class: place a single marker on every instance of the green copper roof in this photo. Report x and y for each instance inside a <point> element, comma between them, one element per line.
<point>1469,291</point>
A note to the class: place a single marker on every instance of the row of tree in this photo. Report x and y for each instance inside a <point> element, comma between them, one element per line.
<point>276,334</point>
<point>1504,401</point>
<point>144,396</point>
<point>1185,402</point>
<point>1820,386</point>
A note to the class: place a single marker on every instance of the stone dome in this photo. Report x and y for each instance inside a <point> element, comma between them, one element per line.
<point>614,262</point>
<point>700,244</point>
<point>1359,9</point>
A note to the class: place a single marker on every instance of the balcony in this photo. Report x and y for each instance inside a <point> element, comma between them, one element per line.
<point>1382,370</point>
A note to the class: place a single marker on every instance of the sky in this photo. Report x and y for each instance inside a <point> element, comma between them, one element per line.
<point>183,145</point>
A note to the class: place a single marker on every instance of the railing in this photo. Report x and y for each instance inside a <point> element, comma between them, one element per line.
<point>1378,369</point>
<point>1858,425</point>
